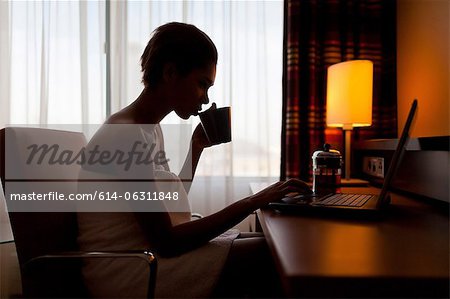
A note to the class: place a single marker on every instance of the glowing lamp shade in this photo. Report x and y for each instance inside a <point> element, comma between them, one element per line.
<point>349,101</point>
<point>349,94</point>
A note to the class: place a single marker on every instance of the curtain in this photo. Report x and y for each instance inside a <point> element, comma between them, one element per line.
<point>51,64</point>
<point>53,71</point>
<point>53,68</point>
<point>318,34</point>
<point>249,37</point>
<point>5,63</point>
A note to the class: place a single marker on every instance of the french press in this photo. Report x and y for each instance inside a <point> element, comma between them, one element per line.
<point>327,164</point>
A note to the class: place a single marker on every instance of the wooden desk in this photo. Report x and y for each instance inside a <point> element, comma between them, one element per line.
<point>404,254</point>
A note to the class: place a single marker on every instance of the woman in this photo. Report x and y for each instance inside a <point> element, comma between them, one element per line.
<point>179,66</point>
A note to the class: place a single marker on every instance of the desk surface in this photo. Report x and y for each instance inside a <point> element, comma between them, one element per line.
<point>405,253</point>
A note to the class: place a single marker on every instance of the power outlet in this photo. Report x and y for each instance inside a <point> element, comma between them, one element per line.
<point>374,166</point>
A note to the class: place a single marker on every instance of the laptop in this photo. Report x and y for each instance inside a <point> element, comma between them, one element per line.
<point>346,202</point>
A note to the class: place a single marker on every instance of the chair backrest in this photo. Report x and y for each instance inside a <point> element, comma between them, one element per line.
<point>40,233</point>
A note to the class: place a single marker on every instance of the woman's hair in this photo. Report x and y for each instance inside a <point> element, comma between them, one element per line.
<point>184,45</point>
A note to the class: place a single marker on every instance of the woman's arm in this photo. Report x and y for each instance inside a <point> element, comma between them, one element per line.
<point>170,240</point>
<point>198,143</point>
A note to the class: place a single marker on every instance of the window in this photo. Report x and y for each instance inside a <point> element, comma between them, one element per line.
<point>53,58</point>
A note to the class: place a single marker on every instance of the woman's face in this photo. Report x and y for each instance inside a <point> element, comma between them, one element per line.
<point>191,91</point>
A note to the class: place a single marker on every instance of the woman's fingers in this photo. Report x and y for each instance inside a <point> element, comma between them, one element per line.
<point>281,189</point>
<point>297,184</point>
<point>292,191</point>
<point>213,106</point>
<point>289,186</point>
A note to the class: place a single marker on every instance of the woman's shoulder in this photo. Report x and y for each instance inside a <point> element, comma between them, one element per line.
<point>124,116</point>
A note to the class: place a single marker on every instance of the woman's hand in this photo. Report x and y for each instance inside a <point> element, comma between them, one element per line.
<point>277,191</point>
<point>199,138</point>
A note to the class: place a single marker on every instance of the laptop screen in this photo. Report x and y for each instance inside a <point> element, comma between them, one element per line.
<point>398,154</point>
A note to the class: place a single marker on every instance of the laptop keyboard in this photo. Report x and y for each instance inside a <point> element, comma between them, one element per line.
<point>347,200</point>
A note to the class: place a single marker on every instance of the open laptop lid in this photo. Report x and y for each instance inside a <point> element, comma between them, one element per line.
<point>398,155</point>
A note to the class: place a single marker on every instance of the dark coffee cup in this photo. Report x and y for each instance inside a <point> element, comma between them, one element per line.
<point>217,124</point>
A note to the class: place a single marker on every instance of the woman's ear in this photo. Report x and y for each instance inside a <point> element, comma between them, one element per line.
<point>169,72</point>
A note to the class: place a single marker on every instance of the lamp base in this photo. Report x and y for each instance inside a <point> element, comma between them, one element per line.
<point>353,183</point>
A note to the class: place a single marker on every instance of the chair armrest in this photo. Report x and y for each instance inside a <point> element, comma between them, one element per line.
<point>147,256</point>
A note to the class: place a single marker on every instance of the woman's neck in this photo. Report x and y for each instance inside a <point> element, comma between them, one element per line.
<point>150,107</point>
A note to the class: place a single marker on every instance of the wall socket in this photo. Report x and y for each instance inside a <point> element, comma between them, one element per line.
<point>374,166</point>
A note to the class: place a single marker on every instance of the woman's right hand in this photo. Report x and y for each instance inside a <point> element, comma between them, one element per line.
<point>277,191</point>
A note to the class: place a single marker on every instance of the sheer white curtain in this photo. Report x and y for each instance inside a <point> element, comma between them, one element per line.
<point>5,63</point>
<point>53,70</point>
<point>52,62</point>
<point>249,39</point>
<point>52,65</point>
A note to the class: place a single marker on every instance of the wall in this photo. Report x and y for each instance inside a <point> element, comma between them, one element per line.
<point>423,64</point>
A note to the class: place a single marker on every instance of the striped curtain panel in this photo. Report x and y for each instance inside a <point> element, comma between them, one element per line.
<point>318,34</point>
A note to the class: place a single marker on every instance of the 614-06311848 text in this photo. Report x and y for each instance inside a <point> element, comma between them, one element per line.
<point>139,196</point>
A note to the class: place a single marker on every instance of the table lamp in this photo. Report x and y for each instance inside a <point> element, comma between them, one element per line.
<point>349,102</point>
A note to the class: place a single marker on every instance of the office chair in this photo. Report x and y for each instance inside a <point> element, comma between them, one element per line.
<point>46,242</point>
